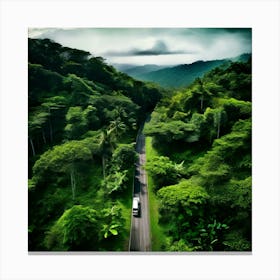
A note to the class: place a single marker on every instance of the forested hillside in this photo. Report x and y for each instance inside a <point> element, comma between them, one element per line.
<point>135,71</point>
<point>200,163</point>
<point>83,120</point>
<point>180,75</point>
<point>84,117</point>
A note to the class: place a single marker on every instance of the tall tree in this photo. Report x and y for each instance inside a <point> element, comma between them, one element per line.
<point>117,127</point>
<point>76,122</point>
<point>36,126</point>
<point>106,144</point>
<point>51,105</point>
<point>63,158</point>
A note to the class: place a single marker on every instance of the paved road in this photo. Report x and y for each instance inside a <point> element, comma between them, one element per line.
<point>140,230</point>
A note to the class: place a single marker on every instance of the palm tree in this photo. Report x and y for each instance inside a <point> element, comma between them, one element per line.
<point>117,127</point>
<point>108,140</point>
<point>119,112</point>
<point>106,144</point>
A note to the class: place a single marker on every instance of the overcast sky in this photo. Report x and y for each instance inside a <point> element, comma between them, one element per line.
<point>162,46</point>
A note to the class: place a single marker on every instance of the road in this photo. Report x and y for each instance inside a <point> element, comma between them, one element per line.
<point>140,230</point>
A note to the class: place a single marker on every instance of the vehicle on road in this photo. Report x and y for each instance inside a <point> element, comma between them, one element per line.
<point>136,206</point>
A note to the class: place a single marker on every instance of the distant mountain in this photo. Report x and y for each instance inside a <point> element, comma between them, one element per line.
<point>140,70</point>
<point>242,58</point>
<point>180,75</point>
<point>123,66</point>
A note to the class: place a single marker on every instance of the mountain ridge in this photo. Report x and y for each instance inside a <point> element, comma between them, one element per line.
<point>180,75</point>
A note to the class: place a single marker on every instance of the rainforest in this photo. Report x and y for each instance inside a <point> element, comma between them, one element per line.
<point>86,120</point>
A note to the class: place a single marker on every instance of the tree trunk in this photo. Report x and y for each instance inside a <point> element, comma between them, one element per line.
<point>51,132</point>
<point>201,103</point>
<point>44,136</point>
<point>218,129</point>
<point>218,117</point>
<point>104,166</point>
<point>50,123</point>
<point>73,183</point>
<point>32,146</point>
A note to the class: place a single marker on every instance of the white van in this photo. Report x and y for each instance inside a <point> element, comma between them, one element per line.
<point>136,206</point>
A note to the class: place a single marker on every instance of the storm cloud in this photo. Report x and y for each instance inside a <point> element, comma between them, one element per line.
<point>159,48</point>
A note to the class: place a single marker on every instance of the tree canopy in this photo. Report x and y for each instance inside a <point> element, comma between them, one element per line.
<point>205,128</point>
<point>83,120</point>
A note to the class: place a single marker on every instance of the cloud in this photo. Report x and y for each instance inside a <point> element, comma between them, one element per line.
<point>159,48</point>
<point>168,46</point>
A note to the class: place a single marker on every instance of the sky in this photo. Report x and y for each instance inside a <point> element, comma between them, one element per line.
<point>161,46</point>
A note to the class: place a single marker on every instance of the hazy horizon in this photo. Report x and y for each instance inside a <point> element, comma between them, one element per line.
<point>160,46</point>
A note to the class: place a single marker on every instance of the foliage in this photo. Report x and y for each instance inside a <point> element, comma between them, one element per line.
<point>234,241</point>
<point>163,170</point>
<point>171,131</point>
<point>207,127</point>
<point>180,75</point>
<point>184,194</point>
<point>124,156</point>
<point>61,158</point>
<point>76,229</point>
<point>112,222</point>
<point>83,121</point>
<point>178,246</point>
<point>82,115</point>
<point>76,122</point>
<point>210,235</point>
<point>115,181</point>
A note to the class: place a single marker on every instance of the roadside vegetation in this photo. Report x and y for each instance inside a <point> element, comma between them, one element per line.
<point>199,161</point>
<point>157,232</point>
<point>83,120</point>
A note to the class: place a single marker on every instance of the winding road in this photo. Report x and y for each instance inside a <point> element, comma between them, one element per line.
<point>140,230</point>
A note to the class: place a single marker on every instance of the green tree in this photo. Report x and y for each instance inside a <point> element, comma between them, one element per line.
<point>219,119</point>
<point>185,194</point>
<point>235,241</point>
<point>178,246</point>
<point>215,119</point>
<point>170,131</point>
<point>237,109</point>
<point>53,105</point>
<point>119,113</point>
<point>211,235</point>
<point>63,158</point>
<point>79,90</point>
<point>163,171</point>
<point>76,122</point>
<point>77,229</point>
<point>112,222</point>
<point>36,124</point>
<point>115,181</point>
<point>201,92</point>
<point>106,144</point>
<point>117,127</point>
<point>92,118</point>
<point>124,156</point>
<point>211,168</point>
<point>181,207</point>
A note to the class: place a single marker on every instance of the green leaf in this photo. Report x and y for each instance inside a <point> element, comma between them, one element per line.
<point>113,231</point>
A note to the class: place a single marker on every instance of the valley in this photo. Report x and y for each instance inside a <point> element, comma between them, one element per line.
<point>180,137</point>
